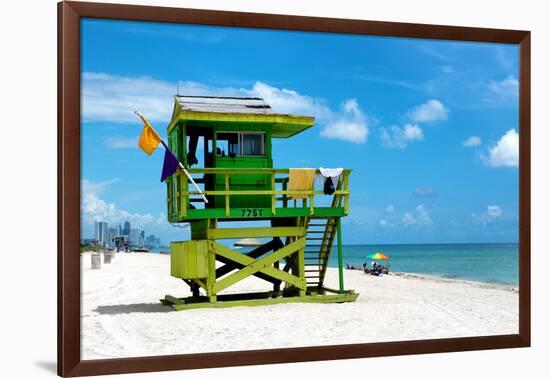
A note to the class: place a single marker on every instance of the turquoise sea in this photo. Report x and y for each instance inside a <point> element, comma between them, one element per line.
<point>490,263</point>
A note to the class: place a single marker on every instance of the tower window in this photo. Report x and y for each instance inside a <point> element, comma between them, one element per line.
<point>252,144</point>
<point>240,144</point>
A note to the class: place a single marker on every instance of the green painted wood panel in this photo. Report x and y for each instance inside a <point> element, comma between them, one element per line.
<point>189,259</point>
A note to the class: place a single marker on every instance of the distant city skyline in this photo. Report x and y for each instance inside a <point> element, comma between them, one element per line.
<point>104,235</point>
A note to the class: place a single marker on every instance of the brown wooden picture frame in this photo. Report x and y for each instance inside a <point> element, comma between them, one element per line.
<point>69,357</point>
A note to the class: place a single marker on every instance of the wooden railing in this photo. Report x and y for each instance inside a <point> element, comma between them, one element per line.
<point>180,195</point>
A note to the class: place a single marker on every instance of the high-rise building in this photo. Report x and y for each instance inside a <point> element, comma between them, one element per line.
<point>120,230</point>
<point>150,241</point>
<point>134,237</point>
<point>141,238</point>
<point>113,233</point>
<point>127,228</point>
<point>102,232</point>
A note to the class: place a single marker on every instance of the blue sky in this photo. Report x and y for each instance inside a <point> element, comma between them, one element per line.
<point>430,128</point>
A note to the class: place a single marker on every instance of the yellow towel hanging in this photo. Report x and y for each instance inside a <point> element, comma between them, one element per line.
<point>300,179</point>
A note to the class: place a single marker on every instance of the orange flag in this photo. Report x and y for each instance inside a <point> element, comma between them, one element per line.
<point>149,139</point>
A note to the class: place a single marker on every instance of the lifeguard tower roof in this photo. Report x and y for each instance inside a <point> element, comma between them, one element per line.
<point>208,110</point>
<point>248,105</point>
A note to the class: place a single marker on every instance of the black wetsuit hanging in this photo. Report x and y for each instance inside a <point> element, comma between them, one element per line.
<point>328,187</point>
<point>192,154</point>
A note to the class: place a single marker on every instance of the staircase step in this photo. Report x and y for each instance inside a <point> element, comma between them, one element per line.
<point>315,232</point>
<point>315,238</point>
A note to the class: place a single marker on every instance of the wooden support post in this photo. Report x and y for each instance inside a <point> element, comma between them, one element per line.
<point>301,270</point>
<point>276,285</point>
<point>195,289</point>
<point>340,256</point>
<point>169,198</point>
<point>184,199</point>
<point>285,196</point>
<point>211,279</point>
<point>346,196</point>
<point>227,211</point>
<point>273,198</point>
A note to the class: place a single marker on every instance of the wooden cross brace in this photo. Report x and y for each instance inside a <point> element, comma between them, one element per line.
<point>263,265</point>
<point>230,265</point>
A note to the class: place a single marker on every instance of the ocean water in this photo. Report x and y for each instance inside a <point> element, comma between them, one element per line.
<point>490,263</point>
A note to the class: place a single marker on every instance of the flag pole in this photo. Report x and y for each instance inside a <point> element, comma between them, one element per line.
<point>179,162</point>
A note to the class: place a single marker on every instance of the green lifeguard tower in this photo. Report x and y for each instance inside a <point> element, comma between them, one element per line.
<point>232,136</point>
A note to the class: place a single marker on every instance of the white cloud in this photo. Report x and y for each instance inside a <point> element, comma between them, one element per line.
<point>203,36</point>
<point>446,69</point>
<point>492,213</point>
<point>418,218</point>
<point>424,192</point>
<point>423,216</point>
<point>472,141</point>
<point>113,98</point>
<point>504,92</point>
<point>397,137</point>
<point>408,219</point>
<point>505,153</point>
<point>162,219</point>
<point>507,88</point>
<point>390,208</point>
<point>287,101</point>
<point>96,187</point>
<point>431,111</point>
<point>350,124</point>
<point>121,142</point>
<point>383,223</point>
<point>93,208</point>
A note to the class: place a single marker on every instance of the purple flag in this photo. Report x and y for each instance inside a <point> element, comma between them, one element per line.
<point>171,163</point>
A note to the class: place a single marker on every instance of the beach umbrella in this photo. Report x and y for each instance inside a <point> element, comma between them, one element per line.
<point>248,242</point>
<point>378,256</point>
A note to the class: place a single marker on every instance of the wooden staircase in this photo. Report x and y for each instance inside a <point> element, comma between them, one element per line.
<point>320,236</point>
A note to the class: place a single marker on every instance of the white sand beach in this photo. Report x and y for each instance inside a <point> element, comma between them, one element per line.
<point>122,315</point>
